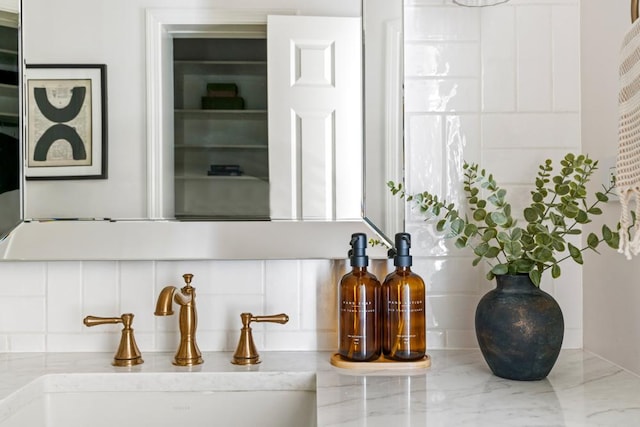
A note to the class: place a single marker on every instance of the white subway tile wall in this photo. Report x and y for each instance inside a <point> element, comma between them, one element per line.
<point>497,85</point>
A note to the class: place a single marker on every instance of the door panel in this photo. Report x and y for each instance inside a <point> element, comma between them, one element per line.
<point>315,117</point>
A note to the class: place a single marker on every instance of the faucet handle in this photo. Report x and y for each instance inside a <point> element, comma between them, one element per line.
<point>274,318</point>
<point>246,353</point>
<point>128,353</point>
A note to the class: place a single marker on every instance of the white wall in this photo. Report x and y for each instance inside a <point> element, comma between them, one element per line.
<point>611,291</point>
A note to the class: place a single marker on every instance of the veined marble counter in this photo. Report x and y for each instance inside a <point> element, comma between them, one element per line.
<point>458,389</point>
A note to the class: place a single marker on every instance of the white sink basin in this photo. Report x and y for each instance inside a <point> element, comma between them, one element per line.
<point>235,399</point>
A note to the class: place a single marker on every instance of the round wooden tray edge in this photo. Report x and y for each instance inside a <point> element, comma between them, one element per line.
<point>380,363</point>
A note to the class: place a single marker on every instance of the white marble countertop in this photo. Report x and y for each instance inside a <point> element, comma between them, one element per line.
<point>458,389</point>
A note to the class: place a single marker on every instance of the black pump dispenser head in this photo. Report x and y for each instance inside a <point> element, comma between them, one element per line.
<point>403,244</point>
<point>357,254</point>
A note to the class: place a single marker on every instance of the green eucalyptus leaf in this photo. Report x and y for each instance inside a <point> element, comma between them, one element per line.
<point>540,208</point>
<point>595,211</point>
<point>556,219</point>
<point>499,218</point>
<point>479,214</point>
<point>516,233</point>
<point>592,240</point>
<point>570,211</point>
<point>457,226</point>
<point>523,265</point>
<point>535,276</point>
<point>481,249</point>
<point>542,254</point>
<point>513,249</point>
<point>470,229</point>
<point>612,239</point>
<point>581,192</point>
<point>492,252</point>
<point>500,269</point>
<point>558,245</point>
<point>530,214</point>
<point>555,271</point>
<point>575,253</point>
<point>543,239</point>
<point>503,237</point>
<point>489,234</point>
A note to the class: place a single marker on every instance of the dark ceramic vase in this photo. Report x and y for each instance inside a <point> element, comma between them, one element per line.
<point>519,329</point>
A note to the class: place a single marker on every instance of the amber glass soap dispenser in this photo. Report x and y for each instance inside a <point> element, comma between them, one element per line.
<point>359,307</point>
<point>403,302</point>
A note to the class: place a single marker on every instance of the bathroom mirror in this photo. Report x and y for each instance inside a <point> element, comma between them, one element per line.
<point>84,224</point>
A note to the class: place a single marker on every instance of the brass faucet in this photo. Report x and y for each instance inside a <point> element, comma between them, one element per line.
<point>128,353</point>
<point>188,353</point>
<point>246,353</point>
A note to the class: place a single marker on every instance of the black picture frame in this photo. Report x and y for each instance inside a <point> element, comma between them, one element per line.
<point>66,121</point>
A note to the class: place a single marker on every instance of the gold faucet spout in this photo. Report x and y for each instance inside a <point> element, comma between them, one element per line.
<point>188,353</point>
<point>164,306</point>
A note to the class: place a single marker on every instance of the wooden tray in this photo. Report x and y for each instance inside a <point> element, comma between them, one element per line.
<point>380,363</point>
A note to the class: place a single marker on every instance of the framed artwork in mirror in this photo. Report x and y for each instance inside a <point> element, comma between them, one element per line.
<point>66,121</point>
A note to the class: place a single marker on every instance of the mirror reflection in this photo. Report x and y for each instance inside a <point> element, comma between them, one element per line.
<point>149,182</point>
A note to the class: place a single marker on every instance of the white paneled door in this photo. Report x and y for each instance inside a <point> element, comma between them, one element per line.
<point>315,117</point>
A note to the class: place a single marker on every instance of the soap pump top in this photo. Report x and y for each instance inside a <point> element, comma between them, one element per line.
<point>401,257</point>
<point>357,253</point>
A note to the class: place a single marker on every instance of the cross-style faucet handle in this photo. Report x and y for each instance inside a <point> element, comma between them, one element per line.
<point>246,353</point>
<point>128,353</point>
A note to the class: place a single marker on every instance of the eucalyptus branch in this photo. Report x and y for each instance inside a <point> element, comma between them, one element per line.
<point>558,205</point>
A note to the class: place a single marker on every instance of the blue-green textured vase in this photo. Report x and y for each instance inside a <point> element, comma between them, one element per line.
<point>519,329</point>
